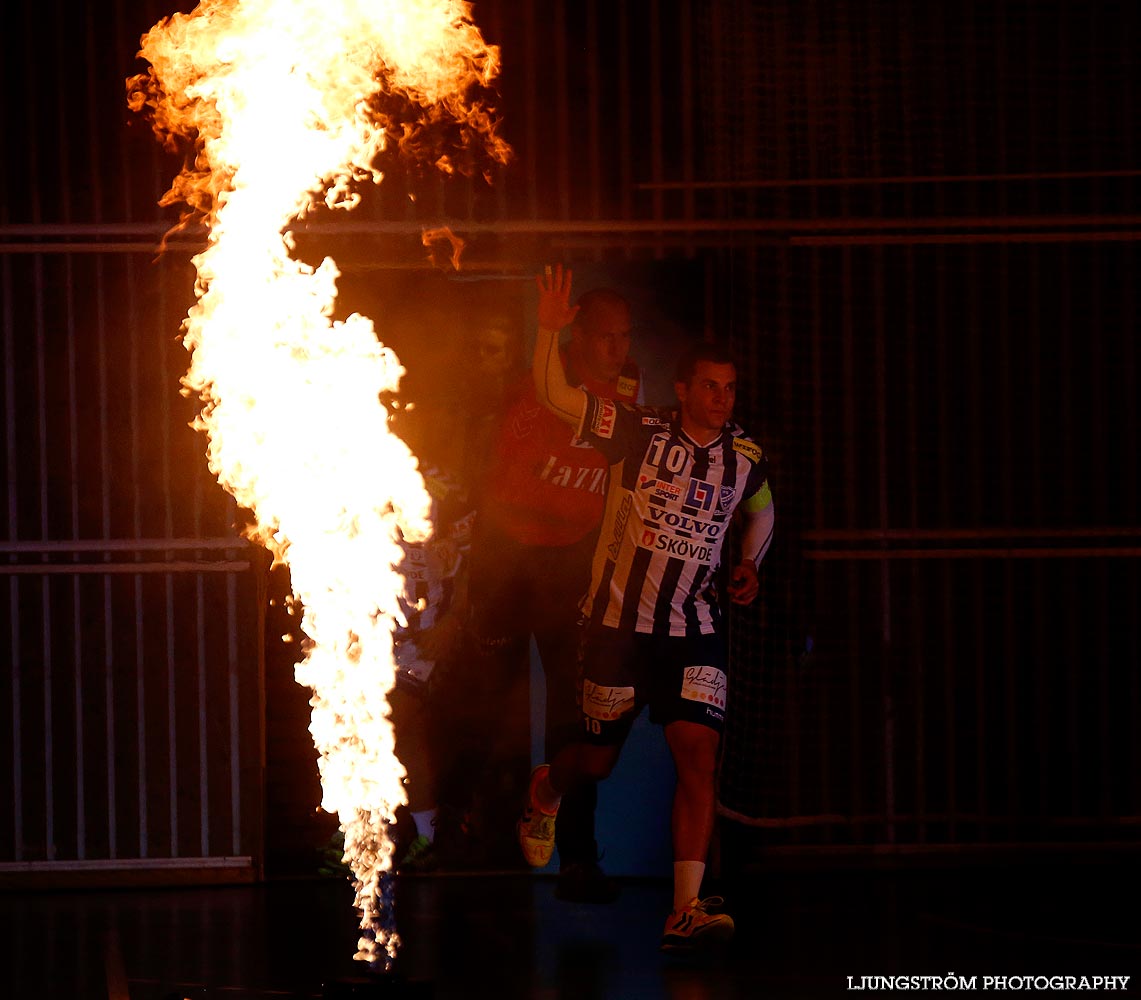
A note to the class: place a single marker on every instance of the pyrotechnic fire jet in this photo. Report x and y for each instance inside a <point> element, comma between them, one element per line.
<point>273,99</point>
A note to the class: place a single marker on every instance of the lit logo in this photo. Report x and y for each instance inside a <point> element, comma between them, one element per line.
<point>604,418</point>
<point>627,387</point>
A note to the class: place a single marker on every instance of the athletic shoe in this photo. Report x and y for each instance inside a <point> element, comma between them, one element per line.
<point>585,882</point>
<point>696,925</point>
<point>420,857</point>
<point>536,827</point>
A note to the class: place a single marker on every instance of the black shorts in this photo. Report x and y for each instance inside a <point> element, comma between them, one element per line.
<point>681,678</point>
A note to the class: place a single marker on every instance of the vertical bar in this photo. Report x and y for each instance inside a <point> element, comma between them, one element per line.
<point>76,590</point>
<point>594,102</point>
<point>137,500</point>
<point>235,725</point>
<point>916,648</point>
<point>65,198</point>
<point>45,532</point>
<point>887,658</point>
<point>172,671</point>
<point>685,67</point>
<point>1069,471</point>
<point>562,113</point>
<point>203,730</point>
<point>656,82</point>
<point>530,117</point>
<point>10,417</point>
<point>256,837</point>
<point>1006,393</point>
<point>849,380</point>
<point>1130,394</point>
<point>947,574</point>
<point>109,722</point>
<point>625,173</point>
<point>141,716</point>
<point>102,395</point>
<point>819,478</point>
<point>171,715</point>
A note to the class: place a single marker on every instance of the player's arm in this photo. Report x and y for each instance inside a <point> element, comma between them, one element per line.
<point>758,519</point>
<point>565,401</point>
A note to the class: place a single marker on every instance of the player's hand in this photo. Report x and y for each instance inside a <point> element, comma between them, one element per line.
<point>743,584</point>
<point>555,310</point>
<point>440,641</point>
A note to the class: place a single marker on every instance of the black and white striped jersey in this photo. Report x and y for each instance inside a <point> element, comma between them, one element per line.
<point>667,513</point>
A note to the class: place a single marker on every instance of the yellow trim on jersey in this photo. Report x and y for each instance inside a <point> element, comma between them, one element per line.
<point>759,500</point>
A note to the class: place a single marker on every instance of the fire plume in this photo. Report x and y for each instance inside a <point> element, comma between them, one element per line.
<point>272,101</point>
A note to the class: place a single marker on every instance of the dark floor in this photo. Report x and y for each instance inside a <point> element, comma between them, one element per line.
<point>799,934</point>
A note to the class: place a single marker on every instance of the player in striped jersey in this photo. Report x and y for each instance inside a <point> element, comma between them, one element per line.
<point>653,636</point>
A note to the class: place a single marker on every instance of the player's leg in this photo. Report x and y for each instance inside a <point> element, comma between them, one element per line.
<point>493,688</point>
<point>558,635</point>
<point>610,703</point>
<point>690,702</point>
<point>414,749</point>
<point>694,750</point>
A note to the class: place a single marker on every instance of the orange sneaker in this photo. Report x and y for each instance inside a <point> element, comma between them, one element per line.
<point>536,827</point>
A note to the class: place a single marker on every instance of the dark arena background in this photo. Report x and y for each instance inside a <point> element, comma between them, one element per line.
<point>917,226</point>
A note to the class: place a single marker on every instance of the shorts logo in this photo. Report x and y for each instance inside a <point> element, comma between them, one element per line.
<point>604,414</point>
<point>706,685</point>
<point>606,703</point>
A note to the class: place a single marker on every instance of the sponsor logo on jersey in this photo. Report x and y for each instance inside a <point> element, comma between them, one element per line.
<point>700,495</point>
<point>653,422</point>
<point>604,414</point>
<point>605,703</point>
<point>627,387</point>
<point>648,538</point>
<point>725,499</point>
<point>684,548</point>
<point>591,478</point>
<point>620,517</point>
<point>706,685</point>
<point>659,490</point>
<point>750,449</point>
<point>683,524</point>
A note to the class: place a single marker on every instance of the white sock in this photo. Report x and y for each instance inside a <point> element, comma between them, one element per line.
<point>425,823</point>
<point>687,881</point>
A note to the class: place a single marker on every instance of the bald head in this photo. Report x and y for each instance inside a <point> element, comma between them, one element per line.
<point>600,333</point>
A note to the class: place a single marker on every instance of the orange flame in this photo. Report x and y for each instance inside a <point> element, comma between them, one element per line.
<point>274,100</point>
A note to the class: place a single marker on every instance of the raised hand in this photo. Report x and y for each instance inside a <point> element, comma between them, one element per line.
<point>555,310</point>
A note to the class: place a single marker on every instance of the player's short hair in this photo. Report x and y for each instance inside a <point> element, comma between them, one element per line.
<point>698,351</point>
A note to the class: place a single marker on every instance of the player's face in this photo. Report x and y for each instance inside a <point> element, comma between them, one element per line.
<point>707,399</point>
<point>493,347</point>
<point>604,345</point>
